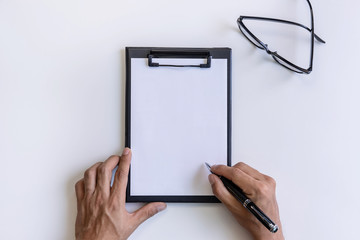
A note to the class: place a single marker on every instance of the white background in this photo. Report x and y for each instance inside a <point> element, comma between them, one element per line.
<point>62,78</point>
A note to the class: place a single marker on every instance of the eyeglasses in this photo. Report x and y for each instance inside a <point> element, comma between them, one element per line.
<point>279,59</point>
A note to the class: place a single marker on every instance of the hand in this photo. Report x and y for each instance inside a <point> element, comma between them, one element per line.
<point>258,187</point>
<point>101,208</point>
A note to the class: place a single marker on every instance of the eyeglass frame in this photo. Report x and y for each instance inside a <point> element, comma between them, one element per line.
<point>275,55</point>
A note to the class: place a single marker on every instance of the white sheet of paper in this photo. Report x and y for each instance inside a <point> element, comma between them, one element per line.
<point>178,121</point>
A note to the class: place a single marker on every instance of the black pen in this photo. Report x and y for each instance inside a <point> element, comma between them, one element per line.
<point>246,202</point>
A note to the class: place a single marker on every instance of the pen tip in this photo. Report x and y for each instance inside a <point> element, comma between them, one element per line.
<point>208,165</point>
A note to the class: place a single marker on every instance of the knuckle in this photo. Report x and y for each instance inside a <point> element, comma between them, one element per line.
<point>102,169</point>
<point>122,172</point>
<point>216,190</point>
<point>262,189</point>
<point>271,181</point>
<point>89,173</point>
<point>78,184</point>
<point>150,212</point>
<point>236,172</point>
<point>241,165</point>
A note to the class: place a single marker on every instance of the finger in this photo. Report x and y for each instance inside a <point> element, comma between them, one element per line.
<point>230,202</point>
<point>80,191</point>
<point>237,176</point>
<point>121,175</point>
<point>147,212</point>
<point>220,191</point>
<point>104,173</point>
<point>90,179</point>
<point>250,171</point>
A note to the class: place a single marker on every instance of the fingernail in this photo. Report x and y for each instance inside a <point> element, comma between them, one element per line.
<point>161,207</point>
<point>211,179</point>
<point>126,151</point>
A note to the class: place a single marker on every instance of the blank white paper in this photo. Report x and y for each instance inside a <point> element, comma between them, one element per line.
<point>178,121</point>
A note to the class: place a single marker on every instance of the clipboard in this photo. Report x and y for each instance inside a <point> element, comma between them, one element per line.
<point>177,116</point>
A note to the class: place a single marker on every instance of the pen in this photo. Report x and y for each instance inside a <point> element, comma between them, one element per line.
<point>246,202</point>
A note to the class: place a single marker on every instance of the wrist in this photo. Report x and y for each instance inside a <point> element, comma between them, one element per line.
<point>269,236</point>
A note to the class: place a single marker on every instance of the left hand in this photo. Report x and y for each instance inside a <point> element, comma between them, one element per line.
<point>101,208</point>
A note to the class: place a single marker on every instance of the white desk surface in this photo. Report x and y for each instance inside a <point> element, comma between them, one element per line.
<point>62,78</point>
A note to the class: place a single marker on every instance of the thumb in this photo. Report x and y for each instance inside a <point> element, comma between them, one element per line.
<point>148,211</point>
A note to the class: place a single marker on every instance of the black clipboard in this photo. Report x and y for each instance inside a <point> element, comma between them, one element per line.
<point>163,85</point>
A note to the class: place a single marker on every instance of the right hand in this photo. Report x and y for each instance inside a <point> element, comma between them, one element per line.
<point>258,187</point>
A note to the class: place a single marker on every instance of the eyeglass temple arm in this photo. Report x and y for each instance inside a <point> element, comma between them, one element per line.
<point>281,21</point>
